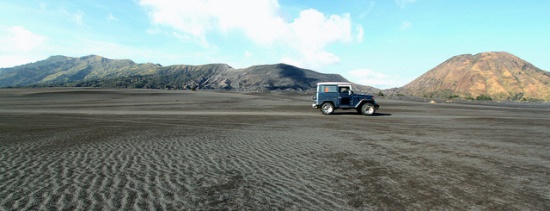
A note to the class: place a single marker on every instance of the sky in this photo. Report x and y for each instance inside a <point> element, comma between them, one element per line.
<point>380,43</point>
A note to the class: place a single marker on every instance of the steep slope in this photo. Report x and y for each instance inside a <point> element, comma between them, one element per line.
<point>498,75</point>
<point>222,76</point>
<point>97,71</point>
<point>281,76</point>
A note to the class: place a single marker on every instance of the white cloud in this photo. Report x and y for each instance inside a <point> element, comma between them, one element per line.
<point>18,39</point>
<point>375,79</point>
<point>83,47</point>
<point>370,8</point>
<point>111,17</point>
<point>312,59</point>
<point>291,61</point>
<point>78,17</point>
<point>312,31</point>
<point>403,3</point>
<point>14,60</point>
<point>360,33</point>
<point>261,22</point>
<point>258,19</point>
<point>19,45</point>
<point>112,50</point>
<point>191,17</point>
<point>42,5</point>
<point>320,58</point>
<point>405,25</point>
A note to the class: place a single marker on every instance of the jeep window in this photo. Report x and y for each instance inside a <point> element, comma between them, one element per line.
<point>327,88</point>
<point>344,89</point>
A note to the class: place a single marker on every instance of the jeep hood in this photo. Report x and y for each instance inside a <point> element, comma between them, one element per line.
<point>364,96</point>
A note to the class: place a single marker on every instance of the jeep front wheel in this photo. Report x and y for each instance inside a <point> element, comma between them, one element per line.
<point>367,109</point>
<point>327,108</point>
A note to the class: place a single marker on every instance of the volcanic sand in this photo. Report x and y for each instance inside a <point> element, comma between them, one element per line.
<point>113,149</point>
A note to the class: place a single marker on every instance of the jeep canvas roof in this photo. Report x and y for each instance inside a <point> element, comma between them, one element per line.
<point>335,83</point>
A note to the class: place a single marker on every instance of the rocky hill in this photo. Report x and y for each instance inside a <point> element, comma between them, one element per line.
<point>97,71</point>
<point>61,69</point>
<point>490,75</point>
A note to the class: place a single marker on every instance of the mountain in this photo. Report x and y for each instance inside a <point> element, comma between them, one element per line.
<point>490,75</point>
<point>59,69</point>
<point>97,71</point>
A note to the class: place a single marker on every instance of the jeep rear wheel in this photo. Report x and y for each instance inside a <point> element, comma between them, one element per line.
<point>367,109</point>
<point>327,108</point>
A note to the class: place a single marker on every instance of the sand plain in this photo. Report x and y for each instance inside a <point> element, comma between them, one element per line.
<point>113,149</point>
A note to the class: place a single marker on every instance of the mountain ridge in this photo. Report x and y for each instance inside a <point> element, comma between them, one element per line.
<point>98,71</point>
<point>483,76</point>
<point>487,75</point>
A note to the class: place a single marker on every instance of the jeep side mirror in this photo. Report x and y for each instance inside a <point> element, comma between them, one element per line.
<point>350,92</point>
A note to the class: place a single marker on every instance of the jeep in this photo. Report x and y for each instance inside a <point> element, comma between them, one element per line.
<point>339,95</point>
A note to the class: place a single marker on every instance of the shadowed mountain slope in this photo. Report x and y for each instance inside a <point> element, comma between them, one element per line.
<point>97,71</point>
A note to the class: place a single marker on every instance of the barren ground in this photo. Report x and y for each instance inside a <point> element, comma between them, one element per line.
<point>114,149</point>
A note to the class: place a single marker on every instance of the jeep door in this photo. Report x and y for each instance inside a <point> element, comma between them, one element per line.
<point>344,97</point>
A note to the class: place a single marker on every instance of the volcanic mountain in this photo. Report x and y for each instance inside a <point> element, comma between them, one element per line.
<point>495,75</point>
<point>97,71</point>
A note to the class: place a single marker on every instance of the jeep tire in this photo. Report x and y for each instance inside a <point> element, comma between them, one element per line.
<point>367,109</point>
<point>327,108</point>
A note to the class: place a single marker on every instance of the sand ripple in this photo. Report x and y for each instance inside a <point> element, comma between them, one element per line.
<point>95,149</point>
<point>250,165</point>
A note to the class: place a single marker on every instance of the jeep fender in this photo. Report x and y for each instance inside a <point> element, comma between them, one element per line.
<point>363,101</point>
<point>328,101</point>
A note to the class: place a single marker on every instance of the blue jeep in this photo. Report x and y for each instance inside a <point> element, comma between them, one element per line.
<point>339,95</point>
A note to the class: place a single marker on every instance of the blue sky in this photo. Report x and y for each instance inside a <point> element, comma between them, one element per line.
<point>381,43</point>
